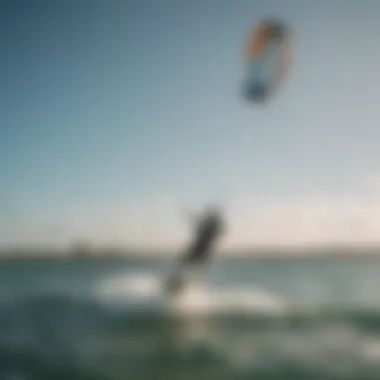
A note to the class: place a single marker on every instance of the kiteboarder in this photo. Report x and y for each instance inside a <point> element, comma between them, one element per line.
<point>208,230</point>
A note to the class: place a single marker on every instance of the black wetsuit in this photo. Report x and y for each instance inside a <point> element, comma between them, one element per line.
<point>208,232</point>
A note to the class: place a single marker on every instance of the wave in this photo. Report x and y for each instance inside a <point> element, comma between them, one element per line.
<point>199,298</point>
<point>121,327</point>
<point>88,340</point>
<point>136,285</point>
<point>243,330</point>
<point>141,294</point>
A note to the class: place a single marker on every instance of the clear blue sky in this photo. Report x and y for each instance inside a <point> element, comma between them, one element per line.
<point>110,104</point>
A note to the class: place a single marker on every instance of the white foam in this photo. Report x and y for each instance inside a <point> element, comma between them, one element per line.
<point>198,298</point>
<point>137,285</point>
<point>370,350</point>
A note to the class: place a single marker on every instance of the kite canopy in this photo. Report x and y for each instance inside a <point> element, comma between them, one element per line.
<point>267,57</point>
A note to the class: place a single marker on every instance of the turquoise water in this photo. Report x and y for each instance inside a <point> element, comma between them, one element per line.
<point>107,319</point>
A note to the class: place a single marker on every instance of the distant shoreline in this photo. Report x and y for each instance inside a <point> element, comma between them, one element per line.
<point>311,253</point>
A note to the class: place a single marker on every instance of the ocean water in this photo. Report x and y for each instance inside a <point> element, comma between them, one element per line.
<point>108,320</point>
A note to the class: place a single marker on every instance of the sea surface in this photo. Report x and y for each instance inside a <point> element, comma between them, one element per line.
<point>251,319</point>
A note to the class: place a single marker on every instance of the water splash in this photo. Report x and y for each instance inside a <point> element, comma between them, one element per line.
<point>199,298</point>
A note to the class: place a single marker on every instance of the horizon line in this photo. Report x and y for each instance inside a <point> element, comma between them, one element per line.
<point>252,251</point>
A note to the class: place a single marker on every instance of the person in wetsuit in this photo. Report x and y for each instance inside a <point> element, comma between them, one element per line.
<point>210,228</point>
